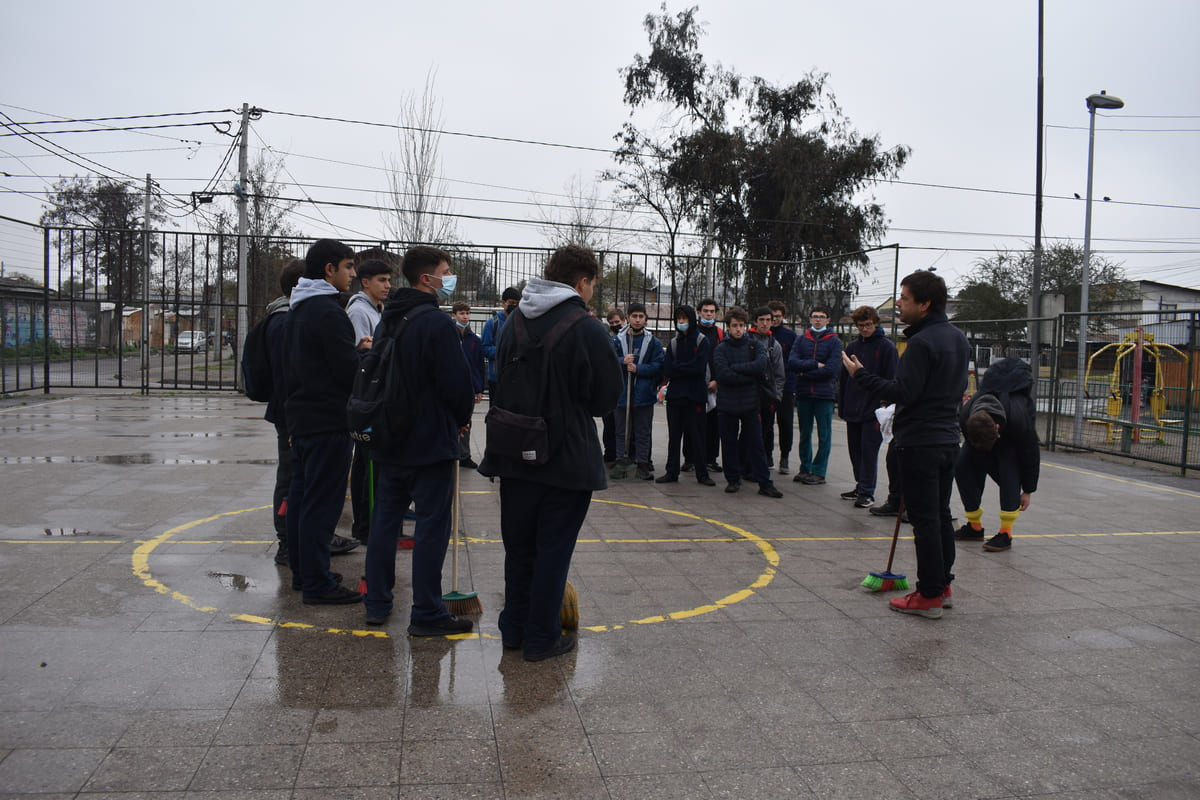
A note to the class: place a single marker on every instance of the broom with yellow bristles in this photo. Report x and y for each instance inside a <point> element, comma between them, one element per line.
<point>887,580</point>
<point>569,615</point>
<point>458,603</point>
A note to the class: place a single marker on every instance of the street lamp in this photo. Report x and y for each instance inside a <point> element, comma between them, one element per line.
<point>1094,101</point>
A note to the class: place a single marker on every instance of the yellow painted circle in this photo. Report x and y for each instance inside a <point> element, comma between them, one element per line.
<point>141,569</point>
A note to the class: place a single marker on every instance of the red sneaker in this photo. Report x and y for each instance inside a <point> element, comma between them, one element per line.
<point>914,603</point>
<point>947,597</point>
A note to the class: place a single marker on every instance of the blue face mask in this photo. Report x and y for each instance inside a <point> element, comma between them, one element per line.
<point>462,324</point>
<point>447,288</point>
<point>704,321</point>
<point>682,327</point>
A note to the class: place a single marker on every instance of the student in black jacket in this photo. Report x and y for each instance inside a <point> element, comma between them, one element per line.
<point>1001,442</point>
<point>421,468</point>
<point>686,366</point>
<point>543,506</point>
<point>320,362</point>
<point>929,385</point>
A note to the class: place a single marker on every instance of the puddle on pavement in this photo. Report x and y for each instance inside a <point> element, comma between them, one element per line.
<point>232,580</point>
<point>132,458</point>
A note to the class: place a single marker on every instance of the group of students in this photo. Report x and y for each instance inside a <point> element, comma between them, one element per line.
<point>745,379</point>
<point>730,389</point>
<point>315,351</point>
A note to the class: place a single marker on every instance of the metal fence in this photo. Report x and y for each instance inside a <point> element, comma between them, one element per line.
<point>1139,397</point>
<point>159,311</point>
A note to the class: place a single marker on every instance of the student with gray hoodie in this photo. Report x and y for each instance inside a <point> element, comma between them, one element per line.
<point>543,506</point>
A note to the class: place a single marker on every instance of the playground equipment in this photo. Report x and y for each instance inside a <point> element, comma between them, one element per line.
<point>1135,344</point>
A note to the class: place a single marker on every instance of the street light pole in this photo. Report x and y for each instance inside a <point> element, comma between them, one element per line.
<point>1094,101</point>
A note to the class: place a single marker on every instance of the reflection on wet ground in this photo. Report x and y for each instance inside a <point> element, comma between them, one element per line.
<point>148,643</point>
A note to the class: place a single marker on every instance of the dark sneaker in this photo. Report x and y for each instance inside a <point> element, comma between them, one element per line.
<point>864,501</point>
<point>783,466</point>
<point>378,619</point>
<point>947,597</point>
<point>732,487</point>
<point>1001,541</point>
<point>714,467</point>
<point>467,463</point>
<point>968,533</point>
<point>885,510</point>
<point>800,476</point>
<point>667,479</point>
<point>813,480</point>
<point>928,607</point>
<point>687,467</point>
<point>444,626</point>
<point>706,481</point>
<point>340,544</point>
<point>339,596</point>
<point>644,473</point>
<point>281,555</point>
<point>850,495</point>
<point>565,644</point>
<point>769,490</point>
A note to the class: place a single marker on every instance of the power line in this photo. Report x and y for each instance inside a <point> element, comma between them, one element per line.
<point>110,129</point>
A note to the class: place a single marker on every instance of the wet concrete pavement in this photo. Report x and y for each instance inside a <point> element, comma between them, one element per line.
<point>148,644</point>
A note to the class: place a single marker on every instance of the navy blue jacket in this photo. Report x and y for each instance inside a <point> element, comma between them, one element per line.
<point>930,382</point>
<point>1010,380</point>
<point>320,362</point>
<point>473,350</point>
<point>878,355</point>
<point>276,413</point>
<point>438,380</point>
<point>686,366</point>
<point>739,365</point>
<point>812,381</point>
<point>645,384</point>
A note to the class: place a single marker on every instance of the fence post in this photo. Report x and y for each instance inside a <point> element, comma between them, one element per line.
<point>1187,408</point>
<point>46,310</point>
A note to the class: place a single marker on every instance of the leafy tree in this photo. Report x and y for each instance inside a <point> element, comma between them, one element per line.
<point>780,168</point>
<point>622,284</point>
<point>99,224</point>
<point>998,286</point>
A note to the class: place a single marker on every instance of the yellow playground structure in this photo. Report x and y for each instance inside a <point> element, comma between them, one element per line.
<point>1130,346</point>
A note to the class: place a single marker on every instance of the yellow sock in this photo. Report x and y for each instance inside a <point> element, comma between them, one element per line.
<point>1007,518</point>
<point>975,518</point>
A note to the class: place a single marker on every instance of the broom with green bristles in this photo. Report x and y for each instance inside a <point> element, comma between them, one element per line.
<point>458,603</point>
<point>887,580</point>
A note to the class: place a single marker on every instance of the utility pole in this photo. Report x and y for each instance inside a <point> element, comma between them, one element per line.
<point>1035,284</point>
<point>146,291</point>
<point>243,293</point>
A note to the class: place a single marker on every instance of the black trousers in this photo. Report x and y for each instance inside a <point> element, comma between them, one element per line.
<point>928,476</point>
<point>539,525</point>
<point>685,425</point>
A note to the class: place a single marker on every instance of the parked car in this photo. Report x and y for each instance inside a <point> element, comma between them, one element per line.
<point>192,342</point>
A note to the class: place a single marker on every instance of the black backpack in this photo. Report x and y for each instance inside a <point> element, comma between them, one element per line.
<point>257,382</point>
<point>379,414</point>
<point>516,422</point>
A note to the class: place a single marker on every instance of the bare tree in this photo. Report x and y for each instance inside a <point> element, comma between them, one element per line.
<point>418,209</point>
<point>581,219</point>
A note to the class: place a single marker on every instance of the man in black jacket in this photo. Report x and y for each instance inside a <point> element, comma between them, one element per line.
<point>928,388</point>
<point>440,395</point>
<point>1001,441</point>
<point>686,365</point>
<point>543,507</point>
<point>320,362</point>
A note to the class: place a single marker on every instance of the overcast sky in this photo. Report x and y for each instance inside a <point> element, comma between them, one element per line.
<point>953,80</point>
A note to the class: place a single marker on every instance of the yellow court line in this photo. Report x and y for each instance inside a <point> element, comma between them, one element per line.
<point>1093,474</point>
<point>141,569</point>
